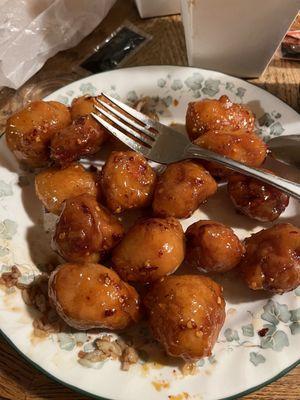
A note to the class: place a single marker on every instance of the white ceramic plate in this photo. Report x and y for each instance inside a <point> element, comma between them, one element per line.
<point>242,360</point>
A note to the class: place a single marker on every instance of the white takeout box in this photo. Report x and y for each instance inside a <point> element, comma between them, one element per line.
<point>157,8</point>
<point>238,37</point>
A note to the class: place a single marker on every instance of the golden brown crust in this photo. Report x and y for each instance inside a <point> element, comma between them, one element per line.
<point>83,105</point>
<point>255,198</point>
<point>213,247</point>
<point>238,145</point>
<point>55,185</point>
<point>85,231</point>
<point>272,259</point>
<point>152,248</point>
<point>90,296</point>
<point>181,188</point>
<point>211,114</point>
<point>186,313</point>
<point>127,181</point>
<point>30,130</point>
<point>83,137</point>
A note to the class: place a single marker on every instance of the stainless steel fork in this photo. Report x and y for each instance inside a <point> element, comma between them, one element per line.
<point>165,145</point>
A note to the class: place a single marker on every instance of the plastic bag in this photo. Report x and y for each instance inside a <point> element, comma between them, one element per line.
<point>31,31</point>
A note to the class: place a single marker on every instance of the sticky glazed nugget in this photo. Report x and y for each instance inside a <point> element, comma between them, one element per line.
<point>256,199</point>
<point>272,259</point>
<point>248,149</point>
<point>151,248</point>
<point>213,247</point>
<point>181,188</point>
<point>82,138</point>
<point>55,185</point>
<point>83,105</point>
<point>90,296</point>
<point>186,314</point>
<point>127,181</point>
<point>30,130</point>
<point>85,231</point>
<point>210,114</point>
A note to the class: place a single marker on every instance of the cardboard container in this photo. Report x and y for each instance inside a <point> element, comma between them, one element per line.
<point>238,37</point>
<point>157,8</point>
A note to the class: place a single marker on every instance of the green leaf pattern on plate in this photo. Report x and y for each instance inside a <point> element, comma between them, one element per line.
<point>275,312</point>
<point>231,335</point>
<point>276,129</point>
<point>272,336</point>
<point>4,251</point>
<point>265,120</point>
<point>248,330</point>
<point>276,341</point>
<point>177,84</point>
<point>295,319</point>
<point>5,189</point>
<point>161,83</point>
<point>256,358</point>
<point>194,82</point>
<point>8,229</point>
<point>88,88</point>
<point>211,87</point>
<point>240,92</point>
<point>132,97</point>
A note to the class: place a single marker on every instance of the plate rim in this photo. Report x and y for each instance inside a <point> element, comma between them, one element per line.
<point>97,397</point>
<point>172,67</point>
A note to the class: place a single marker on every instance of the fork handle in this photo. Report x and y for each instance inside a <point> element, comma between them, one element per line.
<point>289,187</point>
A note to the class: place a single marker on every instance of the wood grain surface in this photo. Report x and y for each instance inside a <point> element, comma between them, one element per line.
<point>18,379</point>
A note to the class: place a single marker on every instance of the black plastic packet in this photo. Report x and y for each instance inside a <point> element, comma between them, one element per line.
<point>116,49</point>
<point>290,46</point>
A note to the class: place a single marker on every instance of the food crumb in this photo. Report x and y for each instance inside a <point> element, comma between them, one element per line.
<point>180,396</point>
<point>189,368</point>
<point>159,385</point>
<point>10,279</point>
<point>129,357</point>
<point>145,369</point>
<point>107,348</point>
<point>231,311</point>
<point>262,332</point>
<point>35,294</point>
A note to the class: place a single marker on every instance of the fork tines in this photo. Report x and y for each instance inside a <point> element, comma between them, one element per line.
<point>125,123</point>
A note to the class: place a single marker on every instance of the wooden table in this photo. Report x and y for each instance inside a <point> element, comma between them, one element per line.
<point>20,381</point>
